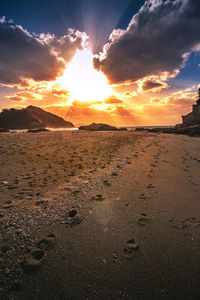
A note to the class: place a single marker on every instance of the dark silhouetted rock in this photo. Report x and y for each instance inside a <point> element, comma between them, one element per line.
<point>3,130</point>
<point>31,118</point>
<point>193,118</point>
<point>162,130</point>
<point>191,121</point>
<point>140,129</point>
<point>123,129</point>
<point>98,127</point>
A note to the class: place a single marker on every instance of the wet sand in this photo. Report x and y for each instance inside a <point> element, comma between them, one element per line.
<point>105,215</point>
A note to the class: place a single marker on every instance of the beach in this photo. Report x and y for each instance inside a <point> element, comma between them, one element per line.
<point>99,215</point>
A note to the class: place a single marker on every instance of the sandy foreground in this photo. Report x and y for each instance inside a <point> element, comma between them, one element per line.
<point>99,215</point>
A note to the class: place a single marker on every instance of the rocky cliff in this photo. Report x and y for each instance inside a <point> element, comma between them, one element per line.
<point>31,117</point>
<point>193,118</point>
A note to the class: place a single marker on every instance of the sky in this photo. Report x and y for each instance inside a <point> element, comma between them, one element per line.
<point>121,62</point>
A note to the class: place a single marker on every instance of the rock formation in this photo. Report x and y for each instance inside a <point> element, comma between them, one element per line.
<point>193,118</point>
<point>98,127</point>
<point>31,118</point>
<point>190,122</point>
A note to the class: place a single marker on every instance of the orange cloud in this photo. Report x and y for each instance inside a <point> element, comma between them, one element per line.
<point>15,98</point>
<point>59,93</point>
<point>112,100</point>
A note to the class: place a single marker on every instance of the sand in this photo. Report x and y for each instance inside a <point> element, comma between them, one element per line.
<point>99,215</point>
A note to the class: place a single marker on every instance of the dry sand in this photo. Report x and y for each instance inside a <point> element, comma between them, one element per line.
<point>136,234</point>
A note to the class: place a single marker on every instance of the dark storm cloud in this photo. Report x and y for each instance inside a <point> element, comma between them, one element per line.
<point>158,39</point>
<point>26,56</point>
<point>149,85</point>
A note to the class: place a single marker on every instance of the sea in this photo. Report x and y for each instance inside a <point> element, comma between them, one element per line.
<point>130,128</point>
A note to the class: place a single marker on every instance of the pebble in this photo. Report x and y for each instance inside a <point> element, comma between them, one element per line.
<point>115,255</point>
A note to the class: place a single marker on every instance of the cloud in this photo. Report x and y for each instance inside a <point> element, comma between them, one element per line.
<point>112,100</point>
<point>156,100</point>
<point>41,58</point>
<point>15,98</point>
<point>158,40</point>
<point>149,85</point>
<point>185,102</point>
<point>23,96</point>
<point>60,93</point>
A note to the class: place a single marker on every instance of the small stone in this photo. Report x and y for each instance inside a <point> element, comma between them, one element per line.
<point>115,255</point>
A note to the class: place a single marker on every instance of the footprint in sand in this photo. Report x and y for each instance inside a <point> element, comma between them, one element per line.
<point>37,255</point>
<point>73,218</point>
<point>172,224</point>
<point>41,202</point>
<point>143,219</point>
<point>129,250</point>
<point>150,186</point>
<point>191,227</point>
<point>47,243</point>
<point>143,197</point>
<point>106,183</point>
<point>98,197</point>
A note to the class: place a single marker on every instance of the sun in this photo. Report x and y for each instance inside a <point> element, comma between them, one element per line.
<point>83,81</point>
